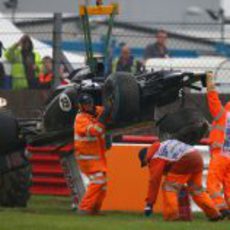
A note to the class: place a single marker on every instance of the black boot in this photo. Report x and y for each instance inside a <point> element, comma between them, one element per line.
<point>225,213</point>
<point>216,218</point>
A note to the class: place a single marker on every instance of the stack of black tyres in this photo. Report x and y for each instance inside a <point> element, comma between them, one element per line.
<point>14,187</point>
<point>15,170</point>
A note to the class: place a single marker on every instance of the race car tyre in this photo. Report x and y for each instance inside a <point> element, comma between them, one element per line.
<point>14,187</point>
<point>61,110</point>
<point>9,133</point>
<point>124,91</point>
<point>186,124</point>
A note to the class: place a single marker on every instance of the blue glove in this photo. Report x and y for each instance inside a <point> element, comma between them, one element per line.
<point>108,141</point>
<point>148,211</point>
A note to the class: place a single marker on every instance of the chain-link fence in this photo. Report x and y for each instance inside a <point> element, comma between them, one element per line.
<point>191,46</point>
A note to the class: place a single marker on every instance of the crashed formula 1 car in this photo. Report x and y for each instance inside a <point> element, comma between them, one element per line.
<point>133,101</point>
<point>132,95</point>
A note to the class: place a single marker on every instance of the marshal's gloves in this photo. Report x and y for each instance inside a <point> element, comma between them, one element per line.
<point>106,114</point>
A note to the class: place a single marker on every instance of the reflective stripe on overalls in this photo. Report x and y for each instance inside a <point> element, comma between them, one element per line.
<point>217,127</point>
<point>97,178</point>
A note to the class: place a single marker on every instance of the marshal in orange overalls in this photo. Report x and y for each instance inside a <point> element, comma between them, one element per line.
<point>90,151</point>
<point>181,165</point>
<point>219,168</point>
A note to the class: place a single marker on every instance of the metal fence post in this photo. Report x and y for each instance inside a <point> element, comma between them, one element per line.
<point>57,40</point>
<point>222,26</point>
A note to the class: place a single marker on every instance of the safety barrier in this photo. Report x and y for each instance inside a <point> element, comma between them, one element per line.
<point>127,184</point>
<point>149,139</point>
<point>48,177</point>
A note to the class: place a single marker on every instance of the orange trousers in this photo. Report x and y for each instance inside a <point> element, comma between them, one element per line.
<point>95,194</point>
<point>219,180</point>
<point>171,187</point>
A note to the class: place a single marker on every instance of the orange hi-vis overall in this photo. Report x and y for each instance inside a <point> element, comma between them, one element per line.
<point>181,165</point>
<point>219,168</point>
<point>45,78</point>
<point>89,144</point>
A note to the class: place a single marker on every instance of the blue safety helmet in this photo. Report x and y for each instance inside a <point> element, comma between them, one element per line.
<point>85,99</point>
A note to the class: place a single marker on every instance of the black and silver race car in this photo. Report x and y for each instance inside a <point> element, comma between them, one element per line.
<point>132,95</point>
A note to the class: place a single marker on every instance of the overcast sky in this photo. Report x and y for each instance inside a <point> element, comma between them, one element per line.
<point>131,10</point>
